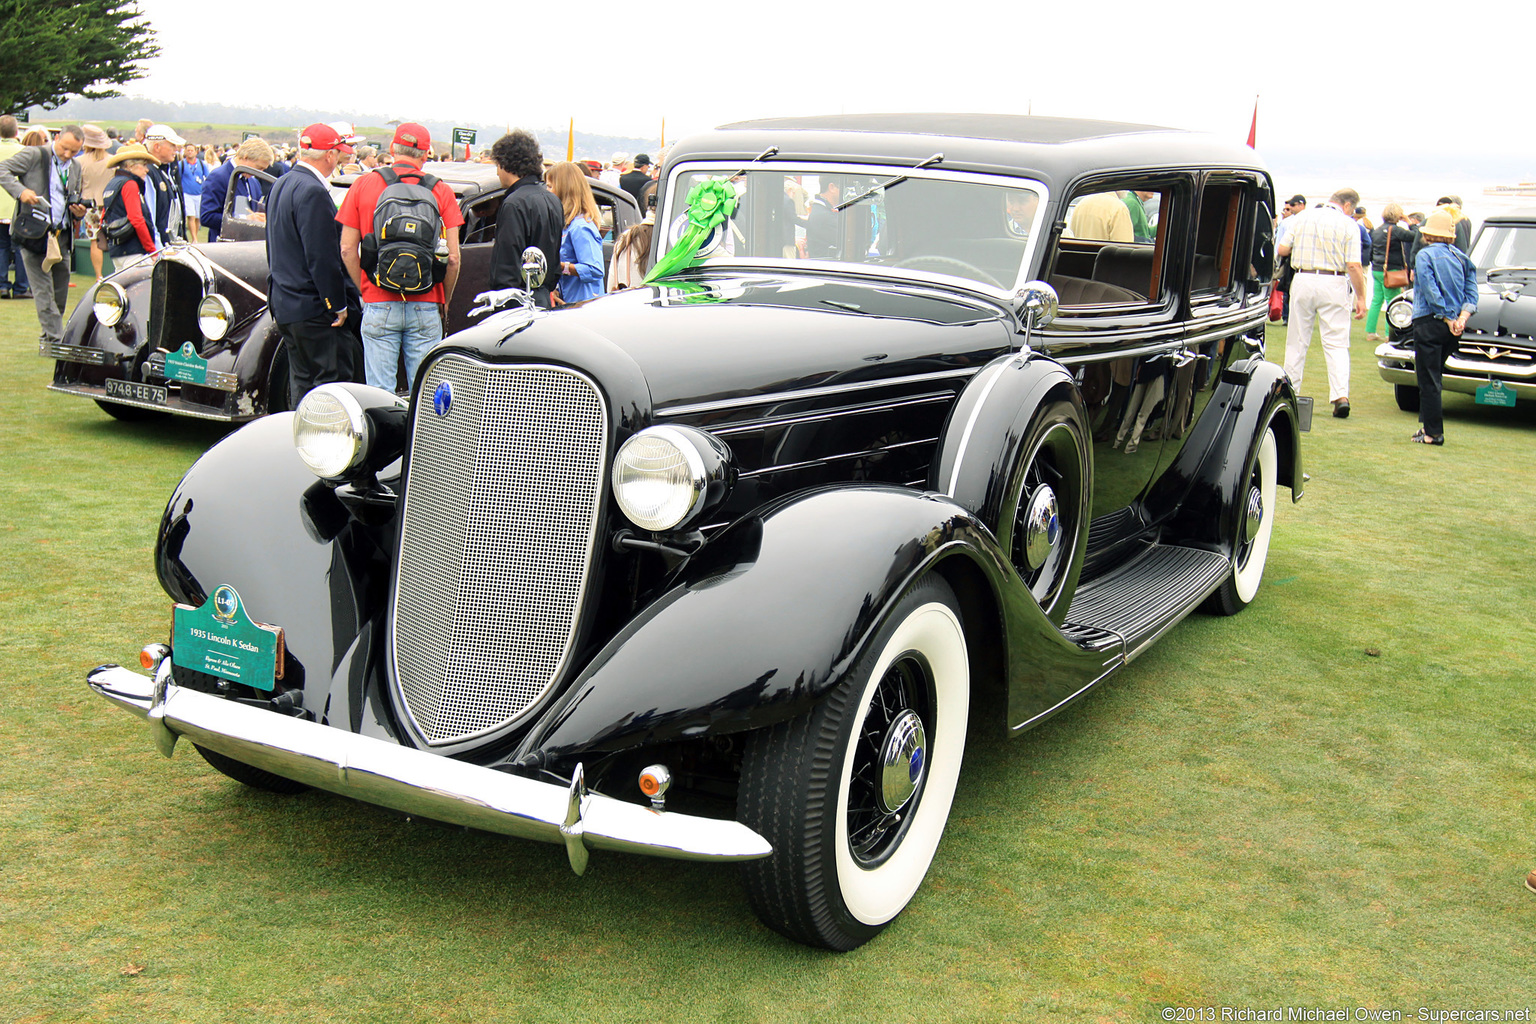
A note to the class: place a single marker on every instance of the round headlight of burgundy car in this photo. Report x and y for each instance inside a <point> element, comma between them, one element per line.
<point>663,477</point>
<point>109,303</point>
<point>330,431</point>
<point>214,315</point>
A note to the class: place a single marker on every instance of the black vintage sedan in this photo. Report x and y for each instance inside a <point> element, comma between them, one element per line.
<point>1496,359</point>
<point>188,332</point>
<point>712,568</point>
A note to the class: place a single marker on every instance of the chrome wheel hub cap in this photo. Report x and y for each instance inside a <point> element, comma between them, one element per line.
<point>1042,526</point>
<point>1255,515</point>
<point>903,759</point>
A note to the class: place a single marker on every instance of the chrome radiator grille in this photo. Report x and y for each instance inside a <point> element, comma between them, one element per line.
<point>500,511</point>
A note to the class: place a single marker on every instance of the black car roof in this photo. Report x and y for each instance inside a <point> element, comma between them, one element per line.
<point>1055,149</point>
<point>471,179</point>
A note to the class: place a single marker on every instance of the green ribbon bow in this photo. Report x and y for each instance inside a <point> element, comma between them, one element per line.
<point>710,203</point>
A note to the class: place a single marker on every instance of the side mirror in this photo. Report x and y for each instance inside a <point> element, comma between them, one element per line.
<point>535,267</point>
<point>1036,304</point>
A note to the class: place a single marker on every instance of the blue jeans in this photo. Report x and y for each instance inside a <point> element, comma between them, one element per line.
<point>10,256</point>
<point>389,327</point>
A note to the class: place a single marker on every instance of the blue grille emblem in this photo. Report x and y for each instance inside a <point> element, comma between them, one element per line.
<point>442,398</point>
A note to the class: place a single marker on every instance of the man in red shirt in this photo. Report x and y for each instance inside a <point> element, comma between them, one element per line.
<point>393,321</point>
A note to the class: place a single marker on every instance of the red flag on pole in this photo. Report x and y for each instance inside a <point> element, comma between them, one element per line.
<point>1253,128</point>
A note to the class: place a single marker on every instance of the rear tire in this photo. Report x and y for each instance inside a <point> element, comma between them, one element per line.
<point>854,796</point>
<point>1407,396</point>
<point>256,778</point>
<point>1250,546</point>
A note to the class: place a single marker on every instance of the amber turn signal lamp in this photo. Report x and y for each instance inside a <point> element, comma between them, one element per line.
<point>152,655</point>
<point>654,782</point>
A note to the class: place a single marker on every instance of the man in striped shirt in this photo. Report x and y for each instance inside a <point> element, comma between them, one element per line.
<point>1324,246</point>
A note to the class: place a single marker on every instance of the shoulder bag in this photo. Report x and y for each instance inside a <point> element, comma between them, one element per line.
<point>1394,278</point>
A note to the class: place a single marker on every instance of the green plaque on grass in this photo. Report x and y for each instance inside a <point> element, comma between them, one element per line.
<point>1495,393</point>
<point>221,640</point>
<point>186,365</point>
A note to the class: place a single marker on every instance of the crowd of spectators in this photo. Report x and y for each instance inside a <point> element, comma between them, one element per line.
<point>1324,252</point>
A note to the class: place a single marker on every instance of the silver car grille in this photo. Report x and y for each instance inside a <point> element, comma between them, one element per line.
<point>501,508</point>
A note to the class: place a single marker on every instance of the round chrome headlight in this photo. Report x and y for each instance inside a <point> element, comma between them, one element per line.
<point>214,315</point>
<point>109,303</point>
<point>1400,313</point>
<point>330,431</point>
<point>663,477</point>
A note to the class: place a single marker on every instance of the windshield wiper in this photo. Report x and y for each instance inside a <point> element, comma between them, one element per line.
<point>936,158</point>
<point>764,155</point>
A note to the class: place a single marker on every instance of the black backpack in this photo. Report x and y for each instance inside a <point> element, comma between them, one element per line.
<point>400,254</point>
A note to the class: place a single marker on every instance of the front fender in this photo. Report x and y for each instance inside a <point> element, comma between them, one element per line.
<point>250,514</point>
<point>762,623</point>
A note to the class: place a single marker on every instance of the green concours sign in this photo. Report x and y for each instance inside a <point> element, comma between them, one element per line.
<point>221,640</point>
<point>1495,393</point>
<point>186,365</point>
<point>464,136</point>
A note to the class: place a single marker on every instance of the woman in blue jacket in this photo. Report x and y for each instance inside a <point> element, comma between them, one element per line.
<point>581,246</point>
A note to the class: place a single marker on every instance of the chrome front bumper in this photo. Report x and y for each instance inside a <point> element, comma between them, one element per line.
<point>1462,374</point>
<point>417,782</point>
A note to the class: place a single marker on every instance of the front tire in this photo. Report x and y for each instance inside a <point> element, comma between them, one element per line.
<point>256,778</point>
<point>854,796</point>
<point>1407,396</point>
<point>1256,523</point>
<point>128,413</point>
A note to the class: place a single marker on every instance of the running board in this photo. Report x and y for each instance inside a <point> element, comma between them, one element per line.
<point>1143,598</point>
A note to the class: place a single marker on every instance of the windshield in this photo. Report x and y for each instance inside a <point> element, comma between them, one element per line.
<point>929,222</point>
<point>1504,245</point>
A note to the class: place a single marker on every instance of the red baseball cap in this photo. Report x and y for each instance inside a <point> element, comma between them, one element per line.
<point>414,135</point>
<point>322,136</point>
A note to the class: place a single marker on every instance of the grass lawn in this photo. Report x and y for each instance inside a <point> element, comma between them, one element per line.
<point>1326,801</point>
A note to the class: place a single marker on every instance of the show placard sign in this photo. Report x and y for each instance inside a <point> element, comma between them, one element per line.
<point>221,640</point>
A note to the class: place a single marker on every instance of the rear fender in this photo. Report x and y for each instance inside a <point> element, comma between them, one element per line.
<point>1204,486</point>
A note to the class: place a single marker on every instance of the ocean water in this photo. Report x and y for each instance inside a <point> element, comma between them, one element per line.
<point>1414,195</point>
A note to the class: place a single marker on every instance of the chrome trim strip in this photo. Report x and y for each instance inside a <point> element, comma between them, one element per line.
<point>1112,665</point>
<point>417,782</point>
<point>60,352</point>
<point>970,423</point>
<point>100,395</point>
<point>218,380</point>
<point>785,467</point>
<point>822,416</point>
<point>722,404</point>
<point>216,266</point>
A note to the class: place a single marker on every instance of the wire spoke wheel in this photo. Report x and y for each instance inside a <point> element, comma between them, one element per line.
<point>855,795</point>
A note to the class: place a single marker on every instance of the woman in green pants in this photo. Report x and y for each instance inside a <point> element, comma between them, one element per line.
<point>1390,245</point>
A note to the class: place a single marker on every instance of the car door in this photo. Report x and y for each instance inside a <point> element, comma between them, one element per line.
<point>1121,280</point>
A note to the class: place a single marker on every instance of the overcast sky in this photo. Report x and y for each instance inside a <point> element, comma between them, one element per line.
<point>1320,78</point>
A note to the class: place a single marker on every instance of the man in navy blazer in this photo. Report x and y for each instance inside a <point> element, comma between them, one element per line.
<point>308,289</point>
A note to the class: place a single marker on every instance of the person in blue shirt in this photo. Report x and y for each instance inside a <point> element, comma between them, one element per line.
<point>1444,297</point>
<point>253,152</point>
<point>194,171</point>
<point>581,246</point>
